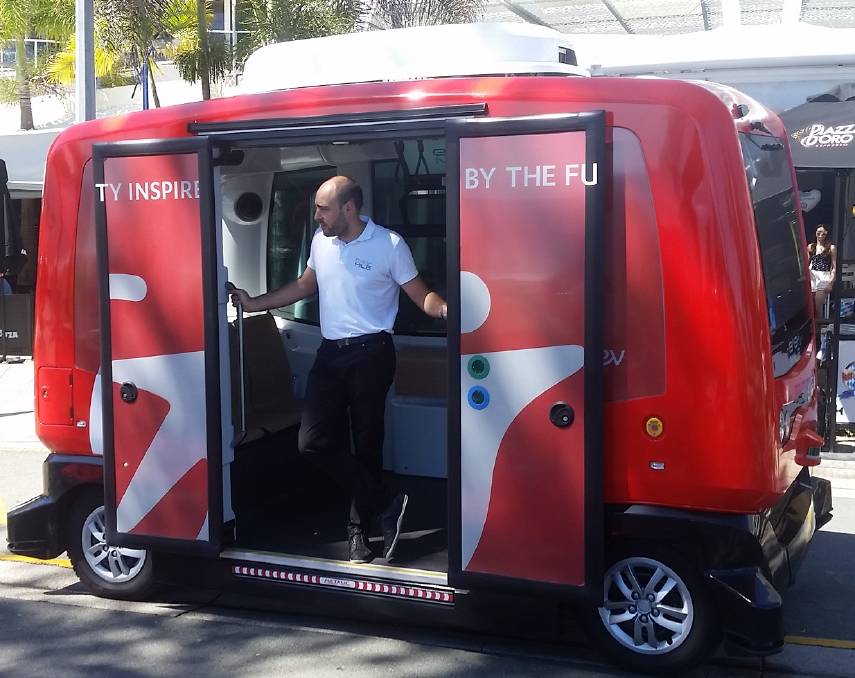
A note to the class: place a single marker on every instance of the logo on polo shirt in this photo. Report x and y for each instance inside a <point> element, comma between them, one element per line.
<point>364,265</point>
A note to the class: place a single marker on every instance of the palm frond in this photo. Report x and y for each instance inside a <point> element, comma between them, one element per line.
<point>62,67</point>
<point>403,13</point>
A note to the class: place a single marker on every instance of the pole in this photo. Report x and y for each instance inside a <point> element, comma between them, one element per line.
<point>3,323</point>
<point>144,82</point>
<point>230,22</point>
<point>84,51</point>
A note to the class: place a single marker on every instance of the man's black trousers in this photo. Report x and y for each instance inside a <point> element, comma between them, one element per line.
<point>351,379</point>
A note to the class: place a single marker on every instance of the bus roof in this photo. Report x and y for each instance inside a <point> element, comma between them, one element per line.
<point>410,54</point>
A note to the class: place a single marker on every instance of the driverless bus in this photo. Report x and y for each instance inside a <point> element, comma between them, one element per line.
<point>619,416</point>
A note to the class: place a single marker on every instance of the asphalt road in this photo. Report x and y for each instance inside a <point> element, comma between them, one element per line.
<point>50,626</point>
<point>821,603</point>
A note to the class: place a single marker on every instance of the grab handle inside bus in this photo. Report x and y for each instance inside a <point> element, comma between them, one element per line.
<point>230,287</point>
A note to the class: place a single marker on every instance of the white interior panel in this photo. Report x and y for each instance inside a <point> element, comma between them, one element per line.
<point>245,243</point>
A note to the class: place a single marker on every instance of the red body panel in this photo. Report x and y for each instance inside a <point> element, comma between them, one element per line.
<point>53,388</point>
<point>714,388</point>
<point>157,340</point>
<point>523,310</point>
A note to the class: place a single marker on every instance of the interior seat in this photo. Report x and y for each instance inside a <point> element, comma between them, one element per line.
<point>270,403</point>
<point>422,371</point>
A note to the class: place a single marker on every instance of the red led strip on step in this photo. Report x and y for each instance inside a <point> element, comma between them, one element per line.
<point>357,585</point>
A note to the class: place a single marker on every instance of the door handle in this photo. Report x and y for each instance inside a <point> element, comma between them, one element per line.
<point>128,392</point>
<point>562,415</point>
<point>239,438</point>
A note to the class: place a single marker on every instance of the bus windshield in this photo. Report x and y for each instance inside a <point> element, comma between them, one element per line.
<point>771,185</point>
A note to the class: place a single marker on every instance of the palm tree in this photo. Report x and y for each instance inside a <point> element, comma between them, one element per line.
<point>196,56</point>
<point>269,21</point>
<point>178,24</point>
<point>403,13</point>
<point>204,52</point>
<point>134,26</point>
<point>22,19</point>
<point>118,49</point>
<point>108,63</point>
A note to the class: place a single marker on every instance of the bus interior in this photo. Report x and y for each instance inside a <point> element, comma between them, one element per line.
<point>282,504</point>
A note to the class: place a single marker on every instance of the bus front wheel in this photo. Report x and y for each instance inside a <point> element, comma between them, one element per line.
<point>656,613</point>
<point>106,570</point>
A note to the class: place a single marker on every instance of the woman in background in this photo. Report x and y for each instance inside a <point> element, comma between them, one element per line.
<point>823,268</point>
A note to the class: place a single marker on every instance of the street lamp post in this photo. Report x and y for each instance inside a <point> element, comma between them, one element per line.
<point>84,80</point>
<point>158,43</point>
<point>144,78</point>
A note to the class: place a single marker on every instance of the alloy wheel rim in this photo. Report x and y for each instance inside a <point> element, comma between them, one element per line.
<point>647,607</point>
<point>113,564</point>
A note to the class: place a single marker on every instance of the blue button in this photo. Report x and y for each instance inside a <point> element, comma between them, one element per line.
<point>479,397</point>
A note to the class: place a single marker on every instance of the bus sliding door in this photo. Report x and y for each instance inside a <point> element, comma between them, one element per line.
<point>160,383</point>
<point>525,206</point>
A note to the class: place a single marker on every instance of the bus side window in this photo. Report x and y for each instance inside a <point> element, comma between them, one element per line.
<point>290,232</point>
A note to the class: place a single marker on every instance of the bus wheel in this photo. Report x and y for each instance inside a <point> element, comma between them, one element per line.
<point>107,571</point>
<point>656,613</point>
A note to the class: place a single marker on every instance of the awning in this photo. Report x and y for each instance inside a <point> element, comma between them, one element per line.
<point>11,256</point>
<point>25,154</point>
<point>822,131</point>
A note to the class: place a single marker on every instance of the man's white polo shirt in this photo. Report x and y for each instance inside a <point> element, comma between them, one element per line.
<point>358,281</point>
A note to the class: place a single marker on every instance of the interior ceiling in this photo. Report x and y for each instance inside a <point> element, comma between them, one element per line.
<point>668,16</point>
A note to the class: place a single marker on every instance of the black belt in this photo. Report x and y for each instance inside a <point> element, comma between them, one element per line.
<point>357,341</point>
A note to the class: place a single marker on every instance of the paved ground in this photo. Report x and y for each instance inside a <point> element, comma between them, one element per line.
<point>18,441</point>
<point>49,626</point>
<point>16,407</point>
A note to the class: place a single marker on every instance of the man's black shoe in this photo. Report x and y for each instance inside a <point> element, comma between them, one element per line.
<point>357,549</point>
<point>390,522</point>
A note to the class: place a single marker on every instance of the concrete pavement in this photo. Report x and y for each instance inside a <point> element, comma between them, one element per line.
<point>17,422</point>
<point>826,649</point>
<point>205,633</point>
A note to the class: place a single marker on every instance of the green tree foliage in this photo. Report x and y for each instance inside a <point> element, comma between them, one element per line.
<point>193,50</point>
<point>131,32</point>
<point>403,13</point>
<point>22,19</point>
<point>270,21</point>
<point>108,63</point>
<point>134,28</point>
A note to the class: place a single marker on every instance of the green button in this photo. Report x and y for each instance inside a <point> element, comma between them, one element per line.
<point>478,367</point>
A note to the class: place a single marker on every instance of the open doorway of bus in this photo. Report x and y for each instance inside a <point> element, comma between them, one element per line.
<point>281,503</point>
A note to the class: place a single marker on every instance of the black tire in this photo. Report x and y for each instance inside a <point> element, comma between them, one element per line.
<point>669,650</point>
<point>137,584</point>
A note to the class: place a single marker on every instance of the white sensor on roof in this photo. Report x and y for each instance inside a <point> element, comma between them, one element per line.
<point>410,54</point>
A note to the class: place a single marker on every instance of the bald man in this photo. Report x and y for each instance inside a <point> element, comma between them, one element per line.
<point>356,267</point>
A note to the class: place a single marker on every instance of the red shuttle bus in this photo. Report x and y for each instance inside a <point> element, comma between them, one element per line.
<point>619,414</point>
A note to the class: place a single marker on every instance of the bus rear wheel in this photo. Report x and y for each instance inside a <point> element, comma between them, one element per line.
<point>656,613</point>
<point>106,570</point>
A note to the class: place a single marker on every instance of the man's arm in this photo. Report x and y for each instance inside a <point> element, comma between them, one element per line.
<point>305,286</point>
<point>430,302</point>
